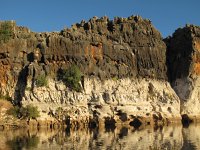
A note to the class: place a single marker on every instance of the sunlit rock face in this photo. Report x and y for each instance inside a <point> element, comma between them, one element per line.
<point>183,63</point>
<point>123,100</point>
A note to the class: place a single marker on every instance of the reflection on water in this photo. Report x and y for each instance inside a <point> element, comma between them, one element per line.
<point>21,142</point>
<point>167,138</point>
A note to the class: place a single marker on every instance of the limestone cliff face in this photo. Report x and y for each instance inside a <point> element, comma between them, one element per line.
<point>123,101</point>
<point>184,68</point>
<point>123,62</point>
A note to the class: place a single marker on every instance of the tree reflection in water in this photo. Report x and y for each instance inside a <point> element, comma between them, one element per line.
<point>21,142</point>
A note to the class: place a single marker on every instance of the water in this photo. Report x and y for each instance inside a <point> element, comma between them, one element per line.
<point>166,138</point>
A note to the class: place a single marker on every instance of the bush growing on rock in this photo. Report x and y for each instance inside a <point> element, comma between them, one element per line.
<point>115,78</point>
<point>41,81</point>
<point>14,111</point>
<point>5,97</point>
<point>28,112</point>
<point>6,31</point>
<point>72,77</point>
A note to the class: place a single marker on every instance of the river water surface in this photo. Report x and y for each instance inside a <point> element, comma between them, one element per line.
<point>166,138</point>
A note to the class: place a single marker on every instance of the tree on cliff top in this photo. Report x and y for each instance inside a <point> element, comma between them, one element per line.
<point>5,31</point>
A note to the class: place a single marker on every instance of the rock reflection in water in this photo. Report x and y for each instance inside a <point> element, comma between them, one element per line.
<point>168,138</point>
<point>191,137</point>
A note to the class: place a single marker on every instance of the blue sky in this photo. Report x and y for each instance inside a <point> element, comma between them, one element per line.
<point>54,15</point>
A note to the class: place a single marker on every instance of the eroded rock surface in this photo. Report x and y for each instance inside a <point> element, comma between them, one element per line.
<point>183,61</point>
<point>123,101</point>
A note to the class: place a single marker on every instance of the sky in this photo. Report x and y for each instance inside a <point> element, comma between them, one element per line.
<point>54,15</point>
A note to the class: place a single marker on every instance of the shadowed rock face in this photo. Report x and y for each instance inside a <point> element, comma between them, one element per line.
<point>179,54</point>
<point>184,68</point>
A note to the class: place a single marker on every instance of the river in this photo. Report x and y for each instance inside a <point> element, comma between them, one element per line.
<point>121,138</point>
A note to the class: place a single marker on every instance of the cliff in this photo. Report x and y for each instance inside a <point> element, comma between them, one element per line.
<point>184,68</point>
<point>125,66</point>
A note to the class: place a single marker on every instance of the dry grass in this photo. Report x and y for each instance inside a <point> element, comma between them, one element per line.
<point>4,104</point>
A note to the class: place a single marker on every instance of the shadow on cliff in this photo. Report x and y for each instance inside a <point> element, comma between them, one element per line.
<point>21,86</point>
<point>179,54</point>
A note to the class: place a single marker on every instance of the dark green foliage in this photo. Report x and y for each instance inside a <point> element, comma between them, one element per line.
<point>5,97</point>
<point>41,81</point>
<point>115,78</point>
<point>28,112</point>
<point>6,31</point>
<point>72,77</point>
<point>14,111</point>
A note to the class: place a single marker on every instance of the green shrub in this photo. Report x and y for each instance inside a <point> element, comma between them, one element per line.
<point>5,97</point>
<point>115,78</point>
<point>14,111</point>
<point>72,77</point>
<point>28,89</point>
<point>28,112</point>
<point>6,31</point>
<point>41,81</point>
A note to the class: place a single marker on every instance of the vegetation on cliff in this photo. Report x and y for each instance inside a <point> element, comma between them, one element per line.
<point>5,97</point>
<point>41,81</point>
<point>28,112</point>
<point>72,77</point>
<point>6,31</point>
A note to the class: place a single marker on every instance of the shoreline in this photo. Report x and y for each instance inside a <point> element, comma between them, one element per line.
<point>92,124</point>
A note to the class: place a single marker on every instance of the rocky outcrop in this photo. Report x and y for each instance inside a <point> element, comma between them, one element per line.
<point>183,61</point>
<point>125,72</point>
